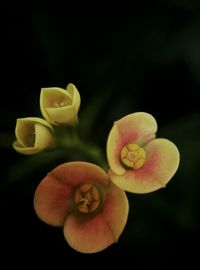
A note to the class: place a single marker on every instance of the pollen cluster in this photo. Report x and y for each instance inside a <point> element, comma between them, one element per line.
<point>133,156</point>
<point>87,198</point>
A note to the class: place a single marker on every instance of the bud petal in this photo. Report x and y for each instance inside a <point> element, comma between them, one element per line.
<point>33,135</point>
<point>60,106</point>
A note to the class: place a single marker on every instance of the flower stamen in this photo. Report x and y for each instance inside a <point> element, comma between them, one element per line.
<point>87,198</point>
<point>62,102</point>
<point>133,156</point>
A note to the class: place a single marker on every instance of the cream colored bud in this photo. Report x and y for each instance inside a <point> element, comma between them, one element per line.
<point>33,135</point>
<point>59,106</point>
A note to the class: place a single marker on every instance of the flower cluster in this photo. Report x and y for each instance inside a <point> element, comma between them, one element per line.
<point>58,106</point>
<point>90,204</point>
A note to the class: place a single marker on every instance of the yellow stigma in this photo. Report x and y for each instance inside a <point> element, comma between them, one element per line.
<point>87,198</point>
<point>133,156</point>
<point>60,102</point>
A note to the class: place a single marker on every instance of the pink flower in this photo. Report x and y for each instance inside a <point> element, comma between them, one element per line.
<point>80,197</point>
<point>139,163</point>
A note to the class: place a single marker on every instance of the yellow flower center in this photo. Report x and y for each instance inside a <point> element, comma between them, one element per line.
<point>133,156</point>
<point>61,102</point>
<point>87,198</point>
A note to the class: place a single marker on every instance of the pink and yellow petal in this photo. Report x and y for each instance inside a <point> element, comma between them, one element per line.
<point>90,234</point>
<point>53,200</point>
<point>160,166</point>
<point>115,211</point>
<point>114,147</point>
<point>78,173</point>
<point>137,128</point>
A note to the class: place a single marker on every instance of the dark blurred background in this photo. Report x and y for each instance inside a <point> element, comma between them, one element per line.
<point>145,58</point>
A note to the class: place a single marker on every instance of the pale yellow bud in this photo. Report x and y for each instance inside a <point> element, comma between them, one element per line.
<point>59,106</point>
<point>33,135</point>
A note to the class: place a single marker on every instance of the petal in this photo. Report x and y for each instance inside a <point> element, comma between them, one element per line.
<point>77,173</point>
<point>25,126</point>
<point>74,93</point>
<point>60,106</point>
<point>89,234</point>
<point>25,150</point>
<point>43,137</point>
<point>53,200</point>
<point>62,115</point>
<point>33,135</point>
<point>160,166</point>
<point>38,120</point>
<point>50,98</point>
<point>138,128</point>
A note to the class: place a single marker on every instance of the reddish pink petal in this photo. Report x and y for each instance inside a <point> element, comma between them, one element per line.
<point>53,200</point>
<point>54,196</point>
<point>93,233</point>
<point>77,173</point>
<point>161,164</point>
<point>138,128</point>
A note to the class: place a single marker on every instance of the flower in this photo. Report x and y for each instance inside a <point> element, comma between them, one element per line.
<point>80,197</point>
<point>138,162</point>
<point>33,135</point>
<point>60,106</point>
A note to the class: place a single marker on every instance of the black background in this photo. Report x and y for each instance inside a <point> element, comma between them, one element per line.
<point>143,58</point>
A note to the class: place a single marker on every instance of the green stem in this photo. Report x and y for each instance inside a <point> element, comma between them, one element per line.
<point>71,140</point>
<point>94,152</point>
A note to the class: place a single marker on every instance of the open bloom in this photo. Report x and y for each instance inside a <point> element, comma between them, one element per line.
<point>60,106</point>
<point>33,135</point>
<point>80,197</point>
<point>138,162</point>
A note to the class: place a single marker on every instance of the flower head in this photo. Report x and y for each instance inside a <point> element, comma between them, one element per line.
<point>138,162</point>
<point>33,135</point>
<point>80,197</point>
<point>60,106</point>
